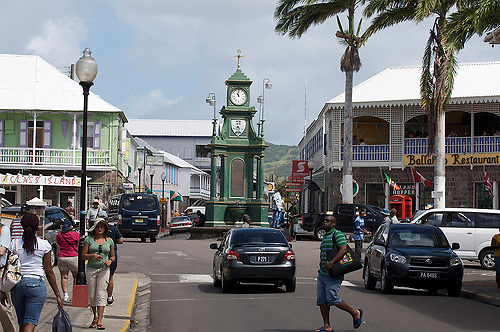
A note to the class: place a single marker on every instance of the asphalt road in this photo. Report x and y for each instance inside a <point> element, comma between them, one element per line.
<point>184,299</point>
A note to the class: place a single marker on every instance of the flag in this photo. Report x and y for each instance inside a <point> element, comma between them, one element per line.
<point>417,177</point>
<point>392,184</point>
<point>488,186</point>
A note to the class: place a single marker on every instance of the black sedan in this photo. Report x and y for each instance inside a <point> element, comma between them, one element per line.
<point>254,255</point>
<point>413,256</point>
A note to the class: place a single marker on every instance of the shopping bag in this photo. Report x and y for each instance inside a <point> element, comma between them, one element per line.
<point>61,322</point>
<point>12,271</point>
<point>349,263</point>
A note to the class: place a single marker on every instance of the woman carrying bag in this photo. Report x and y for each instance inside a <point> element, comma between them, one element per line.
<point>28,296</point>
<point>99,250</point>
<point>67,261</point>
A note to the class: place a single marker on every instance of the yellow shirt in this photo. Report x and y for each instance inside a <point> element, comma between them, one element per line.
<point>497,239</point>
<point>176,214</point>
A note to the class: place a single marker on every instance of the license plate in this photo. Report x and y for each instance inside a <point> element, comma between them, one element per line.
<point>429,275</point>
<point>261,259</point>
<point>139,220</point>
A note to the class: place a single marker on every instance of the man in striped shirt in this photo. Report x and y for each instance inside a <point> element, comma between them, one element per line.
<point>16,230</point>
<point>327,287</point>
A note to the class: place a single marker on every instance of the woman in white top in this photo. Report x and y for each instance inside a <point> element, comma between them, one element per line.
<point>28,296</point>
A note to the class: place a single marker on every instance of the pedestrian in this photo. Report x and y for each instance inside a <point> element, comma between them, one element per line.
<point>294,220</point>
<point>28,296</point>
<point>277,208</point>
<point>98,249</point>
<point>7,318</point>
<point>70,209</point>
<point>246,221</point>
<point>16,229</point>
<point>327,288</point>
<point>67,260</point>
<point>394,219</point>
<point>386,213</point>
<point>176,214</point>
<point>201,219</point>
<point>117,238</point>
<point>359,232</point>
<point>91,215</point>
<point>495,244</point>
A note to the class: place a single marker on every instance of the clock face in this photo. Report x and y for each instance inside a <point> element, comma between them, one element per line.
<point>238,96</point>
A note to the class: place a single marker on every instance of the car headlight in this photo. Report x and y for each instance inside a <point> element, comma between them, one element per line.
<point>397,258</point>
<point>455,261</point>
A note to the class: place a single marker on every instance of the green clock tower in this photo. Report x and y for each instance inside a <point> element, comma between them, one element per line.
<point>239,150</point>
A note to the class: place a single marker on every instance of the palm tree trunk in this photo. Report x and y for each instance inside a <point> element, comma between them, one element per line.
<point>439,166</point>
<point>347,194</point>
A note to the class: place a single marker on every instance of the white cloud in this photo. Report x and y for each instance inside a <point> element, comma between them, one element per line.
<point>138,106</point>
<point>59,40</point>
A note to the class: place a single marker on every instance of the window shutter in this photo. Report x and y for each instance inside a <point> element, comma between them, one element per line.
<point>97,135</point>
<point>47,124</point>
<point>23,133</point>
<point>1,132</point>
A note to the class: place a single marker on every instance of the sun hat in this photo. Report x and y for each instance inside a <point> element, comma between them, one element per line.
<point>66,226</point>
<point>386,212</point>
<point>97,222</point>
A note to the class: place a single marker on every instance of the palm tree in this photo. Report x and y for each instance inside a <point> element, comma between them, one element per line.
<point>295,17</point>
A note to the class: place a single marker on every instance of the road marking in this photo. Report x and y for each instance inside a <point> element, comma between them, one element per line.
<point>199,278</point>
<point>273,298</point>
<point>176,253</point>
<point>128,257</point>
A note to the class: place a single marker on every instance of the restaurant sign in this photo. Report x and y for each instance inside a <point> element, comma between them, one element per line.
<point>454,159</point>
<point>39,180</point>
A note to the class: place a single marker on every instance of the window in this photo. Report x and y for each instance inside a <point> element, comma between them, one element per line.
<point>188,154</point>
<point>487,220</point>
<point>375,194</point>
<point>201,151</point>
<point>433,219</point>
<point>482,199</point>
<point>90,134</point>
<point>455,219</point>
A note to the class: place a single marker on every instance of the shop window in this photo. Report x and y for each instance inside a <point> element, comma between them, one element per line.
<point>375,194</point>
<point>482,200</point>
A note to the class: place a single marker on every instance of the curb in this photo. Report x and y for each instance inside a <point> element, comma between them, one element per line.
<point>130,308</point>
<point>480,298</point>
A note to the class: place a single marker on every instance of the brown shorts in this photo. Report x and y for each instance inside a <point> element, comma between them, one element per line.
<point>67,263</point>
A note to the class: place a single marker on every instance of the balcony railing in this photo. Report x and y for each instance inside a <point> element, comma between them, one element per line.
<point>67,157</point>
<point>368,152</point>
<point>197,192</point>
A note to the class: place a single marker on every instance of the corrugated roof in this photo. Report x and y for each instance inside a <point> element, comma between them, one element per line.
<point>474,82</point>
<point>158,127</point>
<point>27,82</point>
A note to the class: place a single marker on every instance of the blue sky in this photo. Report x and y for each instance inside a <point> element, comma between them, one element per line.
<point>160,59</point>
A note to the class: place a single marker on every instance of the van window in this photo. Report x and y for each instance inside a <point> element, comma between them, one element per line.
<point>435,219</point>
<point>346,209</point>
<point>487,220</point>
<point>458,219</point>
<point>140,202</point>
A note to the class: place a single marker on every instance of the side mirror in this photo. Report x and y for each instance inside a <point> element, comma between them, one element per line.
<point>214,246</point>
<point>379,242</point>
<point>455,246</point>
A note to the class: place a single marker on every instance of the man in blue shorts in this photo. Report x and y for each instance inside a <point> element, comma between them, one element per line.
<point>327,288</point>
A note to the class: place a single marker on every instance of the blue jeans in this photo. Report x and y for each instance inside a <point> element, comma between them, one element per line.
<point>28,297</point>
<point>276,218</point>
<point>327,290</point>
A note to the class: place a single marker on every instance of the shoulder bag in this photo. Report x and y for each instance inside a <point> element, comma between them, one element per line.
<point>11,272</point>
<point>349,263</point>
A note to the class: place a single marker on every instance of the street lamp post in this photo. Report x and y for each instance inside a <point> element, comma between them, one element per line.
<point>86,70</point>
<point>139,168</point>
<point>163,177</point>
<point>266,84</point>
<point>151,174</point>
<point>211,101</point>
<point>310,164</point>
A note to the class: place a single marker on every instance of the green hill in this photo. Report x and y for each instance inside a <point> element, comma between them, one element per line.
<point>278,161</point>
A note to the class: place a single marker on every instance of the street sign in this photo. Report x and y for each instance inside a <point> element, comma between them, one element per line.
<point>300,169</point>
<point>293,184</point>
<point>436,194</point>
<point>163,200</point>
<point>290,190</point>
<point>154,160</point>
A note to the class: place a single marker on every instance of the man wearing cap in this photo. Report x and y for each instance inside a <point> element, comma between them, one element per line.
<point>386,213</point>
<point>117,238</point>
<point>91,215</point>
<point>16,230</point>
<point>7,317</point>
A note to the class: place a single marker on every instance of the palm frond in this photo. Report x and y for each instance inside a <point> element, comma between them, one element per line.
<point>387,19</point>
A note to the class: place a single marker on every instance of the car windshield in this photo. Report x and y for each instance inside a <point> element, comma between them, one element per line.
<point>53,215</point>
<point>178,219</point>
<point>139,203</point>
<point>257,237</point>
<point>418,238</point>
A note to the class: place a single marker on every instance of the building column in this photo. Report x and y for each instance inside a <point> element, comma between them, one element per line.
<point>224,187</point>
<point>260,183</point>
<point>249,172</point>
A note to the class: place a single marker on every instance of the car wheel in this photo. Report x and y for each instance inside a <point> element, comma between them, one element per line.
<point>217,282</point>
<point>319,233</point>
<point>487,259</point>
<point>143,239</point>
<point>153,239</point>
<point>386,285</point>
<point>226,284</point>
<point>53,256</point>
<point>432,290</point>
<point>369,281</point>
<point>455,289</point>
<point>291,285</point>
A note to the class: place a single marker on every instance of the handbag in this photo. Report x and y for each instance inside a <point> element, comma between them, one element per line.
<point>61,322</point>
<point>349,263</point>
<point>11,272</point>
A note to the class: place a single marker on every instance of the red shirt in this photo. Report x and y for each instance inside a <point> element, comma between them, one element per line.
<point>68,244</point>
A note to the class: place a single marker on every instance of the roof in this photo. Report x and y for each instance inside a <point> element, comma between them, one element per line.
<point>30,83</point>
<point>158,127</point>
<point>474,82</point>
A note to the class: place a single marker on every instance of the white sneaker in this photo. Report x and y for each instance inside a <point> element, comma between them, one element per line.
<point>66,297</point>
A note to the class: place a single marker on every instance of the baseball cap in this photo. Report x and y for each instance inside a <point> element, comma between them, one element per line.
<point>386,211</point>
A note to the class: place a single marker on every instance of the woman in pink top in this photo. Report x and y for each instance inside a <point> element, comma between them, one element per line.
<point>68,255</point>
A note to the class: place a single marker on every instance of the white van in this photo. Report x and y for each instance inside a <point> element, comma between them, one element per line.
<point>471,228</point>
<point>194,209</point>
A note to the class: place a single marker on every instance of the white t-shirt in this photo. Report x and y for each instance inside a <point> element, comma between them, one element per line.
<point>31,264</point>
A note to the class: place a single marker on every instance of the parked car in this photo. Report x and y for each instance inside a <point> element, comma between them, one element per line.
<point>194,209</point>
<point>5,203</point>
<point>253,255</point>
<point>194,218</point>
<point>136,215</point>
<point>413,256</point>
<point>471,228</point>
<point>345,215</point>
<point>178,224</point>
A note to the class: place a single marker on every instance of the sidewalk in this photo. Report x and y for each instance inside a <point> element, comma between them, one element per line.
<point>117,317</point>
<point>482,290</point>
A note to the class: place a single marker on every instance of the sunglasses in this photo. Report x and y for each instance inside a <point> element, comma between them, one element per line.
<point>100,248</point>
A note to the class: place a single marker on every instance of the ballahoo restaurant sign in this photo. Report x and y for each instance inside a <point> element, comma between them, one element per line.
<point>40,180</point>
<point>454,159</point>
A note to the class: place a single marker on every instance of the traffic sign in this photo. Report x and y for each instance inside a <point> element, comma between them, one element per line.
<point>289,190</point>
<point>163,200</point>
<point>291,184</point>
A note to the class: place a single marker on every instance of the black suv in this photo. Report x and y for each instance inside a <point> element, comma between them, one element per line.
<point>413,256</point>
